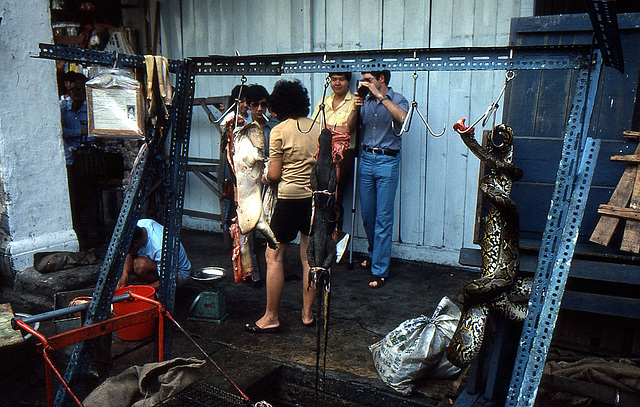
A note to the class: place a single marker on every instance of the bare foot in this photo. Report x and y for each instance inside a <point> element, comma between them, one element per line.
<point>308,318</point>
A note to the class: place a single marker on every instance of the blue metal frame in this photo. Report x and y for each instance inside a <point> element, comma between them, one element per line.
<point>175,178</point>
<point>424,59</point>
<point>561,228</point>
<point>100,306</point>
<point>569,198</point>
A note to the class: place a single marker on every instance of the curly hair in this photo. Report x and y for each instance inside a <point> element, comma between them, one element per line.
<point>289,100</point>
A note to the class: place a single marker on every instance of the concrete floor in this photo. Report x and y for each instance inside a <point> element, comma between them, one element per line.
<point>359,316</point>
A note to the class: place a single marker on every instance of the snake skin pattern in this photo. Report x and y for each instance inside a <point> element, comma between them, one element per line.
<point>498,288</point>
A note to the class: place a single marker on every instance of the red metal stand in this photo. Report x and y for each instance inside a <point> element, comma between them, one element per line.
<point>90,332</point>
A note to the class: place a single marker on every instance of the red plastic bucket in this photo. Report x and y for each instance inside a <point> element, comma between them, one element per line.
<point>140,331</point>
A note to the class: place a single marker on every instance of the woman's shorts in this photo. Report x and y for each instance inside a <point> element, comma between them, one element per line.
<point>291,216</point>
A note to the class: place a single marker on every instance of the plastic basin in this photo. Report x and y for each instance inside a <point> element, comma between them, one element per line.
<point>140,331</point>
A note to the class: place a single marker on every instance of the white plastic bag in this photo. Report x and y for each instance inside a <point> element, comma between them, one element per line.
<point>417,349</point>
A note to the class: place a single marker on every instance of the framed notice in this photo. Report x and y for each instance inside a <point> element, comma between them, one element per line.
<point>115,111</point>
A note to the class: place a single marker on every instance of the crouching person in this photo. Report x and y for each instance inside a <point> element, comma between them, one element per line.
<point>145,253</point>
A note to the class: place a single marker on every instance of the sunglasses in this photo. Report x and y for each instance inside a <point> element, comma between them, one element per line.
<point>368,79</point>
<point>262,103</point>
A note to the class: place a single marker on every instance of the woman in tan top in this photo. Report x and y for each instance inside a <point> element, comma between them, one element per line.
<point>290,163</point>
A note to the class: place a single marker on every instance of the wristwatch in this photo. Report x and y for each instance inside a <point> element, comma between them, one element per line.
<point>385,97</point>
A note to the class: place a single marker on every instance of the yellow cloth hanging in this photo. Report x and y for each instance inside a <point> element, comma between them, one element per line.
<point>159,66</point>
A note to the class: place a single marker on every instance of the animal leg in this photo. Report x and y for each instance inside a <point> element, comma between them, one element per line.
<point>330,250</point>
<point>263,227</point>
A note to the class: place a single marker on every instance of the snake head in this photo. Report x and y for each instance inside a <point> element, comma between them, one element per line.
<point>502,138</point>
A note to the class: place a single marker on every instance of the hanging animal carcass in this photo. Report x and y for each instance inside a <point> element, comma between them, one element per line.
<point>247,154</point>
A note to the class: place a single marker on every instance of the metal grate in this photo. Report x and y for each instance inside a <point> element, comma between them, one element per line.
<point>202,394</point>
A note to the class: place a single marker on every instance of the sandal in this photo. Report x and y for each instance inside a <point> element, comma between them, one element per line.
<point>376,281</point>
<point>365,264</point>
<point>255,329</point>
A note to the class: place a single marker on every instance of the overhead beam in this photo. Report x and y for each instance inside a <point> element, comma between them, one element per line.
<point>424,59</point>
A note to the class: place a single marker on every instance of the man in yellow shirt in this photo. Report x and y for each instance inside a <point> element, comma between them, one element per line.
<point>337,107</point>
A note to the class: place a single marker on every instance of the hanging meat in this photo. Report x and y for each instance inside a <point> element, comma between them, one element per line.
<point>247,153</point>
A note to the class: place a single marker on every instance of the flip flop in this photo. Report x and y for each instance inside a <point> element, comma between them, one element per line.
<point>255,329</point>
<point>365,264</point>
<point>376,282</point>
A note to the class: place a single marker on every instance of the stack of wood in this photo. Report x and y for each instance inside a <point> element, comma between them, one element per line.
<point>624,204</point>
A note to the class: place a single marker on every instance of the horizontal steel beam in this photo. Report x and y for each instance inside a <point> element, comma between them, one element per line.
<point>426,59</point>
<point>92,56</point>
<point>429,59</point>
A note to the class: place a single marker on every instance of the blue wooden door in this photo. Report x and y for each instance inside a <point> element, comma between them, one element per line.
<point>537,107</point>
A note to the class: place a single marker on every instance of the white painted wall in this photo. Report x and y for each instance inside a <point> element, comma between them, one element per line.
<point>439,180</point>
<point>32,166</point>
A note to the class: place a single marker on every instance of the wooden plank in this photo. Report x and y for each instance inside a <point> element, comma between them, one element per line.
<point>601,304</point>
<point>607,225</point>
<point>609,269</point>
<point>204,215</point>
<point>631,236</point>
<point>207,183</point>
<point>630,158</point>
<point>632,135</point>
<point>619,212</point>
<point>334,16</point>
<point>436,184</point>
<point>393,24</point>
<point>206,160</point>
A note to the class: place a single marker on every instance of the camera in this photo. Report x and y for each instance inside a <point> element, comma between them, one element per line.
<point>362,91</point>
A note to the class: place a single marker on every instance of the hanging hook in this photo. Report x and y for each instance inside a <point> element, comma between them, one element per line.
<point>494,106</point>
<point>406,124</point>
<point>235,104</point>
<point>327,81</point>
<point>115,62</point>
<point>433,133</point>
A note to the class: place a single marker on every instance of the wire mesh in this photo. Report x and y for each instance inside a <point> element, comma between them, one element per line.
<point>202,394</point>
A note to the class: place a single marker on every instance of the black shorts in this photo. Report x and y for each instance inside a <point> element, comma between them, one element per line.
<point>291,216</point>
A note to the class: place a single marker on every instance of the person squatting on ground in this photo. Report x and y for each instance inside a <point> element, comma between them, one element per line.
<point>379,169</point>
<point>145,253</point>
<point>338,106</point>
<point>290,163</point>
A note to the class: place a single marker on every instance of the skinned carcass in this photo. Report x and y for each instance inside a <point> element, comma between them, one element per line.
<point>247,154</point>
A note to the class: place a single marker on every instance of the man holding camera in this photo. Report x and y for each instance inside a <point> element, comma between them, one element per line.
<point>379,170</point>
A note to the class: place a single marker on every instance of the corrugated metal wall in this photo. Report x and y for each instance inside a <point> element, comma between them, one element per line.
<point>437,196</point>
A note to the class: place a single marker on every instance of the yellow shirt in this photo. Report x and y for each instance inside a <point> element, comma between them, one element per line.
<point>339,115</point>
<point>296,150</point>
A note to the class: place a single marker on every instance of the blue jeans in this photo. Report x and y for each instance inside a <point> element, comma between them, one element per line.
<point>378,177</point>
